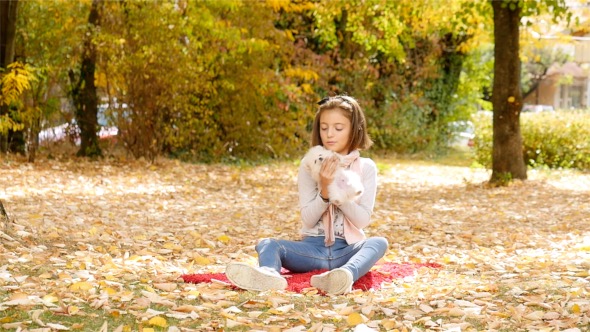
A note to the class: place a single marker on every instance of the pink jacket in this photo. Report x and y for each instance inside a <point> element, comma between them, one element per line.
<point>357,214</point>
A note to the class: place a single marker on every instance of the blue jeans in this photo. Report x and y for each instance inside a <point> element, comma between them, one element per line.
<point>311,254</point>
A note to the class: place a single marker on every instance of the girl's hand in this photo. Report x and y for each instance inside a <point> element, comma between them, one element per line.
<point>327,174</point>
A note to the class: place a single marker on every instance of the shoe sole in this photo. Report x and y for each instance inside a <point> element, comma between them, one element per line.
<point>250,278</point>
<point>335,282</point>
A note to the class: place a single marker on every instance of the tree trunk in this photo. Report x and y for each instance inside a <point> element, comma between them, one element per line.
<point>345,36</point>
<point>507,156</point>
<point>84,92</point>
<point>8,16</point>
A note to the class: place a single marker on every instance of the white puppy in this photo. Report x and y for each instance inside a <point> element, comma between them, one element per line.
<point>347,185</point>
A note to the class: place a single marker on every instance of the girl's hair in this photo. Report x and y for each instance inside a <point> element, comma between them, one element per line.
<point>359,138</point>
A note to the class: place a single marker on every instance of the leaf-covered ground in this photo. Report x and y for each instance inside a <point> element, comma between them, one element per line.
<point>100,246</point>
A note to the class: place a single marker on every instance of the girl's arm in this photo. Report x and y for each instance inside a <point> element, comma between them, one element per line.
<point>311,204</point>
<point>359,213</point>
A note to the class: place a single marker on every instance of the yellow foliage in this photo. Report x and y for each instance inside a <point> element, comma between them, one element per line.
<point>16,81</point>
<point>290,6</point>
<point>307,88</point>
<point>304,74</point>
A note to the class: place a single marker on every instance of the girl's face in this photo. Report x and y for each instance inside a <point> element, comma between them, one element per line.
<point>335,129</point>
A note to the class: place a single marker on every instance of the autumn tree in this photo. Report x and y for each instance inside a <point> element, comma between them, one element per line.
<point>202,80</point>
<point>404,60</point>
<point>507,152</point>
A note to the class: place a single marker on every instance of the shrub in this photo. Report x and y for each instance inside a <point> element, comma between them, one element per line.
<point>553,140</point>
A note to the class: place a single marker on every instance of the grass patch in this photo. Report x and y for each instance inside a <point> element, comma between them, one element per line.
<point>83,318</point>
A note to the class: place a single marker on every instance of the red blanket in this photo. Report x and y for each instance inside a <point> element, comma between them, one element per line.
<point>299,281</point>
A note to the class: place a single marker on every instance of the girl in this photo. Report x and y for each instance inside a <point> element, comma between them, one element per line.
<point>333,238</point>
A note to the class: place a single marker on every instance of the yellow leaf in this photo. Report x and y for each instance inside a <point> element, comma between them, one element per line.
<point>354,319</point>
<point>63,276</point>
<point>511,99</point>
<point>307,88</point>
<point>172,246</point>
<point>223,238</point>
<point>50,298</point>
<point>158,321</point>
<point>289,35</point>
<point>200,260</point>
<point>576,308</point>
<point>81,286</point>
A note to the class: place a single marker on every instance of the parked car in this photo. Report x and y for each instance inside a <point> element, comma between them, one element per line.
<point>537,108</point>
<point>70,131</point>
<point>462,134</point>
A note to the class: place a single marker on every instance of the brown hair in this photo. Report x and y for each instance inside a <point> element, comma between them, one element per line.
<point>359,138</point>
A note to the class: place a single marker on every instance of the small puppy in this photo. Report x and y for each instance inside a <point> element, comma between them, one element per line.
<point>347,185</point>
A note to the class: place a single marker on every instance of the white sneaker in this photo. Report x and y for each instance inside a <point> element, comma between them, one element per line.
<point>337,281</point>
<point>254,278</point>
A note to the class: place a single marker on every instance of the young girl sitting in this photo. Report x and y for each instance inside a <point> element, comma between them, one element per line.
<point>333,237</point>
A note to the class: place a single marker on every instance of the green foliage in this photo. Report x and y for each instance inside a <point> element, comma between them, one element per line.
<point>557,8</point>
<point>405,61</point>
<point>483,142</point>
<point>403,127</point>
<point>557,140</point>
<point>238,80</point>
<point>553,140</point>
<point>232,80</point>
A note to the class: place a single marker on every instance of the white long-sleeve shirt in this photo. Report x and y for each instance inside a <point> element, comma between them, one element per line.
<point>312,206</point>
